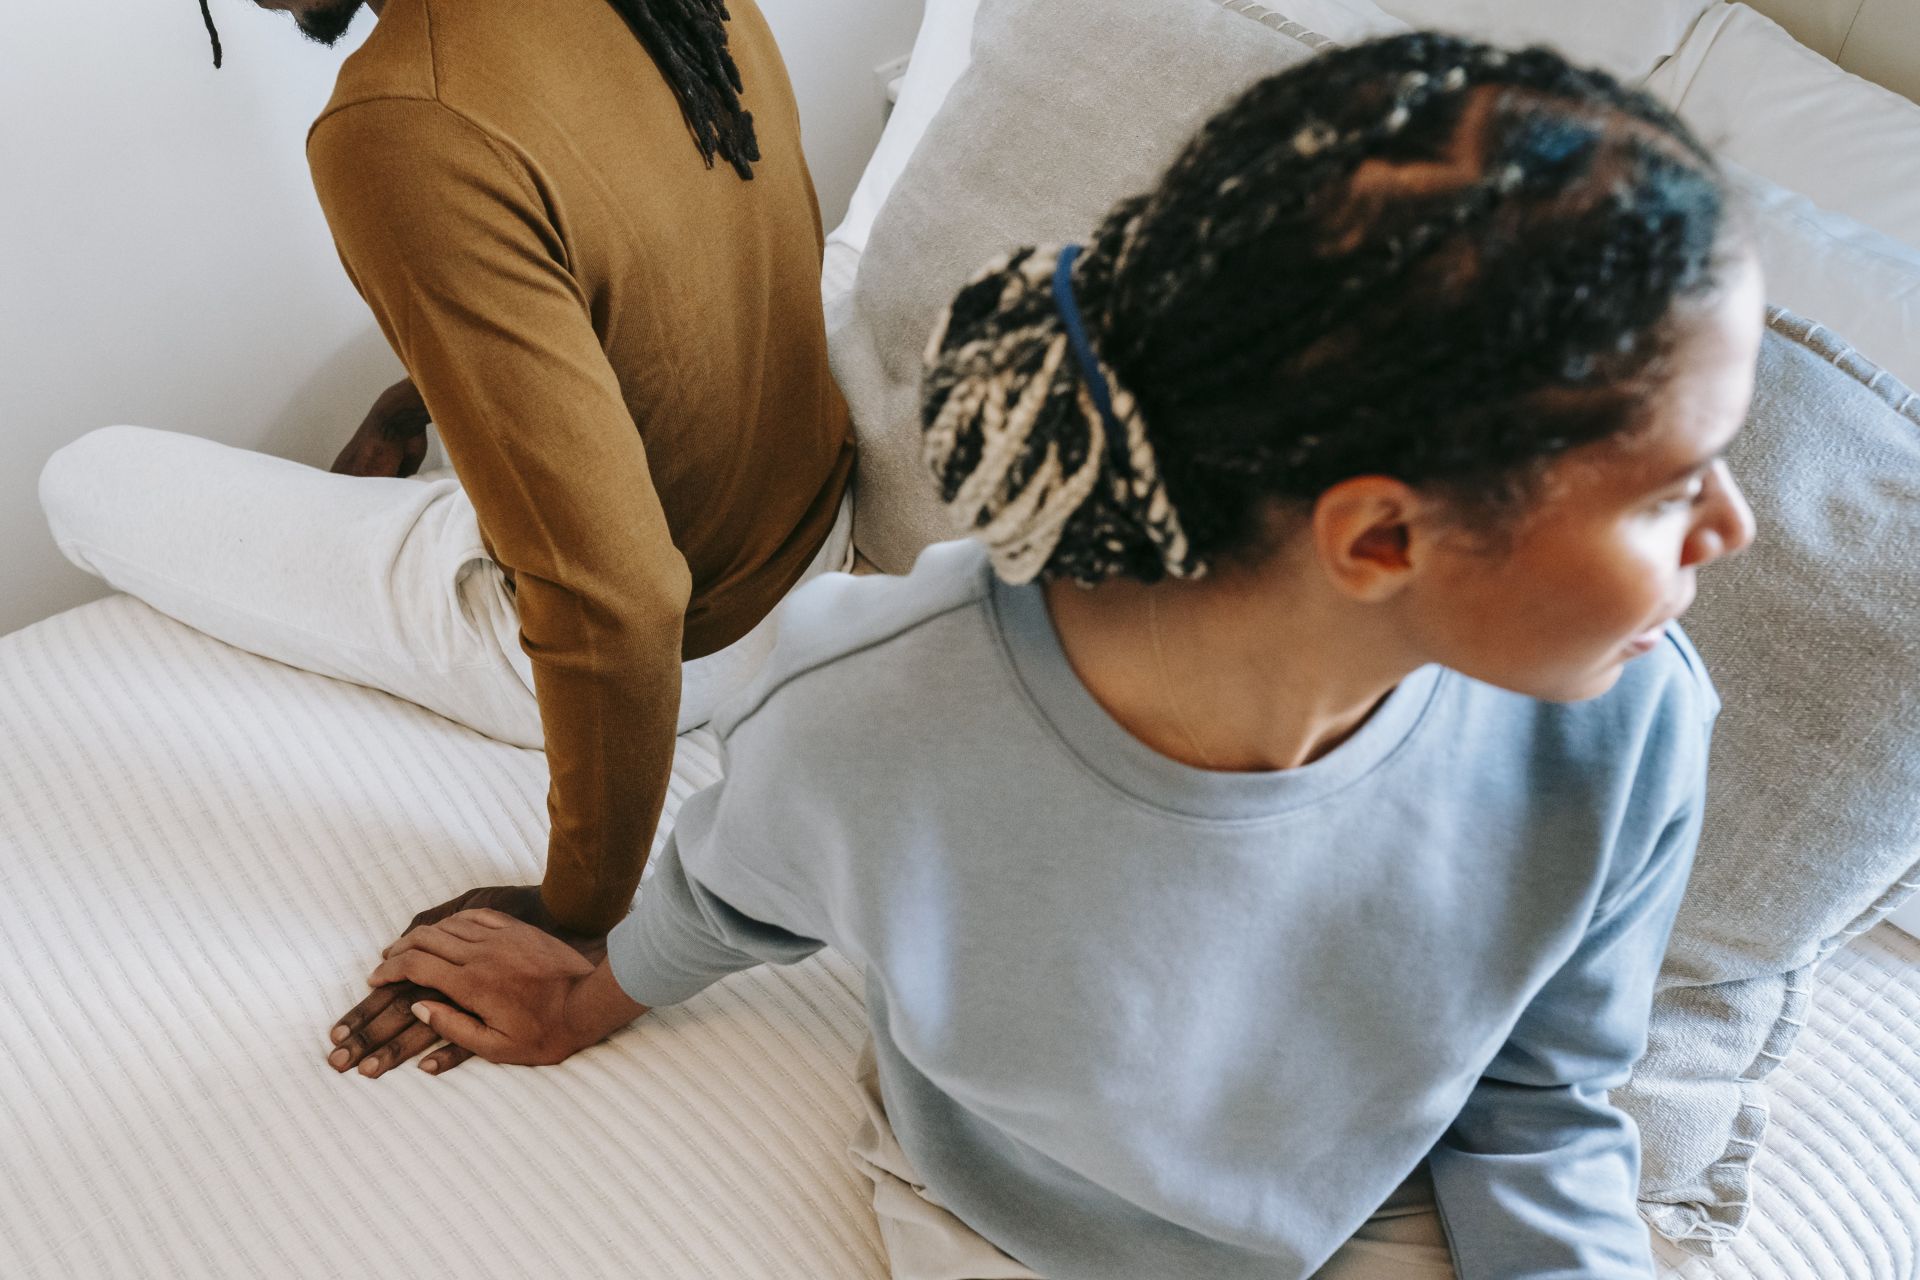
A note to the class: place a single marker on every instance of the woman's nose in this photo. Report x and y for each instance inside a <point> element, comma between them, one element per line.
<point>1727,525</point>
<point>1736,516</point>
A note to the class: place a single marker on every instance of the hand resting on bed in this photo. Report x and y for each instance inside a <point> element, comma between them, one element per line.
<point>381,1032</point>
<point>526,997</point>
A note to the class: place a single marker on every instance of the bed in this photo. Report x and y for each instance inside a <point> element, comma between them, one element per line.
<point>201,849</point>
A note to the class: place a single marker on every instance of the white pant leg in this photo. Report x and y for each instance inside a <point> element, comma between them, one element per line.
<point>924,1240</point>
<point>707,682</point>
<point>383,582</point>
<point>1403,1240</point>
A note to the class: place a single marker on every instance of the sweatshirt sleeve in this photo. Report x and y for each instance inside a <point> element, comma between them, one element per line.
<point>1539,1174</point>
<point>444,233</point>
<point>710,907</point>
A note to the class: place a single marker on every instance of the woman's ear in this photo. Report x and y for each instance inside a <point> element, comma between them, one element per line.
<point>1369,536</point>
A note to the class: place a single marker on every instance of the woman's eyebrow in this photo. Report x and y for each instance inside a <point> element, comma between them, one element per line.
<point>1694,468</point>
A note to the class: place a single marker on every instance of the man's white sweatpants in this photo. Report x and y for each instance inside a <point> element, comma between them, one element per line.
<point>383,582</point>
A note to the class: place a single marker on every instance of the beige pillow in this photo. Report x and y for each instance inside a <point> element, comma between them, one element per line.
<point>1812,831</point>
<point>1068,106</point>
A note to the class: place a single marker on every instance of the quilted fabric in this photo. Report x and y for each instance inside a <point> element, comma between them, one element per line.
<point>1838,1184</point>
<point>202,853</point>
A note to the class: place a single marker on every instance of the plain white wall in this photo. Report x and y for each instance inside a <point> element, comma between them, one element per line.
<point>163,260</point>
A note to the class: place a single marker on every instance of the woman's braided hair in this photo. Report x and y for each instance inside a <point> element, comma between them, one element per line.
<point>687,40</point>
<point>1420,257</point>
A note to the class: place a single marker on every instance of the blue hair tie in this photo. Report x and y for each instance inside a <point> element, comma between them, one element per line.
<point>1063,302</point>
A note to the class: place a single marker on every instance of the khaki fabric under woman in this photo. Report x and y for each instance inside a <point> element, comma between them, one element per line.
<point>1403,1240</point>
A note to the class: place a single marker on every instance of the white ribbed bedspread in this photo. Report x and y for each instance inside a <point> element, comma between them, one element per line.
<point>1838,1194</point>
<point>201,854</point>
<point>202,850</point>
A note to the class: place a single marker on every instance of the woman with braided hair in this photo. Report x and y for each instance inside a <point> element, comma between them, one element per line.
<point>1261,840</point>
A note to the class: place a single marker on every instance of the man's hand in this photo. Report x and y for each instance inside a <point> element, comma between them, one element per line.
<point>534,1000</point>
<point>393,439</point>
<point>381,1032</point>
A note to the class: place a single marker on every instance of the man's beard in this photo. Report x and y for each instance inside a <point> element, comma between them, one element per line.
<point>329,22</point>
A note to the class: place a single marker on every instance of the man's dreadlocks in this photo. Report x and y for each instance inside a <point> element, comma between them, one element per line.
<point>212,34</point>
<point>688,42</point>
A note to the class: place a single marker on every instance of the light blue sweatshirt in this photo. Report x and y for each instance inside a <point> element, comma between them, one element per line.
<point>1136,1019</point>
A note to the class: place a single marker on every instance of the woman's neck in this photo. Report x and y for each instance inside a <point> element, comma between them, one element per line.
<point>1210,673</point>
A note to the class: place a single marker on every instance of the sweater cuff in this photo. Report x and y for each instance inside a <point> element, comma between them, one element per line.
<point>658,955</point>
<point>643,972</point>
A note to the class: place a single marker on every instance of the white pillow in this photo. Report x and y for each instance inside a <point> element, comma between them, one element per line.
<point>1625,37</point>
<point>1862,285</point>
<point>940,53</point>
<point>1758,96</point>
<point>1820,263</point>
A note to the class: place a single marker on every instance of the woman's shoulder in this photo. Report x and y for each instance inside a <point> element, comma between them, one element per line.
<point>872,629</point>
<point>1651,728</point>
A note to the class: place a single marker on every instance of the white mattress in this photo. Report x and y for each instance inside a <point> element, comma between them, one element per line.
<point>1838,1193</point>
<point>201,850</point>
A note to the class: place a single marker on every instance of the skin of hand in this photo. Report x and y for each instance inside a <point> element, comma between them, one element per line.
<point>381,1031</point>
<point>525,997</point>
<point>392,440</point>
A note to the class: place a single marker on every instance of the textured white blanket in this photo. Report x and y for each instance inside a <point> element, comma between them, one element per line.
<point>201,854</point>
<point>202,850</point>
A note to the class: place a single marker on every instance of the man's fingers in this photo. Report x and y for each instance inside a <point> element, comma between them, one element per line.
<point>444,1059</point>
<point>415,1039</point>
<point>462,1028</point>
<point>412,453</point>
<point>366,1011</point>
<point>434,915</point>
<point>394,1019</point>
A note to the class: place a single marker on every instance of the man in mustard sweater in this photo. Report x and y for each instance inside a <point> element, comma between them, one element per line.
<point>589,233</point>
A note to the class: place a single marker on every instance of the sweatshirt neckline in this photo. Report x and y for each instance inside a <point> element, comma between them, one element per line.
<point>1039,661</point>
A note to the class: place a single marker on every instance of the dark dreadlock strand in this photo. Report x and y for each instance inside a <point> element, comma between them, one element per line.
<point>688,41</point>
<point>206,15</point>
<point>1421,257</point>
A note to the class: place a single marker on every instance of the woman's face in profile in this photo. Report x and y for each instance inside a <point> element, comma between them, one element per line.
<point>1609,554</point>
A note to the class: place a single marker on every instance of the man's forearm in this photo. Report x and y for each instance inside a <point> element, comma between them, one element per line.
<point>608,683</point>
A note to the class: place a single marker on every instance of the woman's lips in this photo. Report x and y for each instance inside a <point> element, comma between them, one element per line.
<point>1647,641</point>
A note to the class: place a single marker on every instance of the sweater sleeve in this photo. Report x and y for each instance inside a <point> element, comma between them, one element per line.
<point>443,232</point>
<point>714,904</point>
<point>1538,1176</point>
